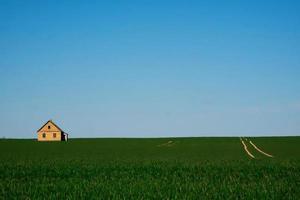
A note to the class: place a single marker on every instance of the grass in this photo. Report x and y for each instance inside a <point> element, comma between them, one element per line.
<point>167,168</point>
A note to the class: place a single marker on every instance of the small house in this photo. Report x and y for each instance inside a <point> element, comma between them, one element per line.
<point>51,132</point>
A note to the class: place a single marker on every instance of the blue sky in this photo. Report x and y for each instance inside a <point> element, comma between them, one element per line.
<point>150,68</point>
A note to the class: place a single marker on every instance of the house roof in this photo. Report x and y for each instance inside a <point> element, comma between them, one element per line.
<point>51,123</point>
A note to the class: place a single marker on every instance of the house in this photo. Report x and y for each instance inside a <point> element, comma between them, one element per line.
<point>51,132</point>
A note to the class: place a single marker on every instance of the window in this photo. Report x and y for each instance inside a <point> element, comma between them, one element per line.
<point>44,135</point>
<point>54,135</point>
<point>49,127</point>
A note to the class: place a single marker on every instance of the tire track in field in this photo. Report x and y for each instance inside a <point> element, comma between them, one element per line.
<point>260,151</point>
<point>246,149</point>
<point>167,144</point>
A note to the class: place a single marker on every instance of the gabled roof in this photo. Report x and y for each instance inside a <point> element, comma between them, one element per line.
<point>51,123</point>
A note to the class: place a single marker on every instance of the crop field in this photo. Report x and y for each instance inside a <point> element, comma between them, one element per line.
<point>164,168</point>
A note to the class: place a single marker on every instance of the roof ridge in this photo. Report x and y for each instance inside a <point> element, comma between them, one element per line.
<point>52,123</point>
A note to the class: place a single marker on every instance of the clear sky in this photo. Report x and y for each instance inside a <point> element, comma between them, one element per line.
<point>150,68</point>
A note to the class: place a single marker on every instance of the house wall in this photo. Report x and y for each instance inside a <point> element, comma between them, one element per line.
<point>49,133</point>
<point>52,127</point>
<point>49,136</point>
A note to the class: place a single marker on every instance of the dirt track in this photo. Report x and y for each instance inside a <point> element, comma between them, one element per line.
<point>255,147</point>
<point>259,150</point>
<point>246,148</point>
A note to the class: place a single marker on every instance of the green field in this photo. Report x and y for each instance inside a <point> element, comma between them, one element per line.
<point>166,168</point>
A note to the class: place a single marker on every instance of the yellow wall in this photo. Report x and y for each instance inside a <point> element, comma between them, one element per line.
<point>49,136</point>
<point>49,133</point>
<point>52,127</point>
